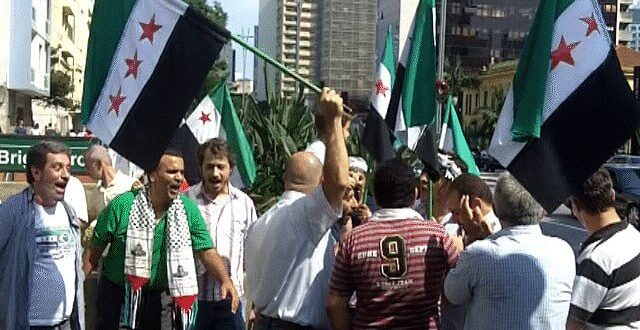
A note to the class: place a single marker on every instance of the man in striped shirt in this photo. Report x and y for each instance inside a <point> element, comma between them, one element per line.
<point>228,213</point>
<point>395,263</point>
<point>606,290</point>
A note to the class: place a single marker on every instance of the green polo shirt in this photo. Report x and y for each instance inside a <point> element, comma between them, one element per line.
<point>111,227</point>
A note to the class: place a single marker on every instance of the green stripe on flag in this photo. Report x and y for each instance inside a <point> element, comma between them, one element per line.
<point>388,57</point>
<point>234,132</point>
<point>529,82</point>
<point>460,145</point>
<point>107,25</point>
<point>419,86</point>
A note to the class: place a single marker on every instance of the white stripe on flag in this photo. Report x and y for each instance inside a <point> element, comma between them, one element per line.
<point>205,122</point>
<point>380,101</point>
<point>103,122</point>
<point>563,80</point>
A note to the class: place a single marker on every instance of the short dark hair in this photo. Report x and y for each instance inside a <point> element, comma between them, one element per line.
<point>217,147</point>
<point>472,185</point>
<point>37,155</point>
<point>595,195</point>
<point>394,184</point>
<point>168,152</point>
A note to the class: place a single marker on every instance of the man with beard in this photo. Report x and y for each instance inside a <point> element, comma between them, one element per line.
<point>40,248</point>
<point>154,234</point>
<point>228,213</point>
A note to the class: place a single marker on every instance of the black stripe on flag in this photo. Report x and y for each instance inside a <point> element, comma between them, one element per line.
<point>151,123</point>
<point>188,144</point>
<point>585,130</point>
<point>377,137</point>
<point>394,103</point>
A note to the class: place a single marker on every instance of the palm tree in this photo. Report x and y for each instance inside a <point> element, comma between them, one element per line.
<point>278,128</point>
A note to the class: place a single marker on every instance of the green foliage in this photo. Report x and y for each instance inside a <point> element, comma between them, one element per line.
<point>277,130</point>
<point>220,69</point>
<point>61,86</point>
<point>457,78</point>
<point>215,13</point>
<point>481,130</point>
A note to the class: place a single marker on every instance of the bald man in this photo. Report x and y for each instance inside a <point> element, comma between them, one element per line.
<point>289,250</point>
<point>111,182</point>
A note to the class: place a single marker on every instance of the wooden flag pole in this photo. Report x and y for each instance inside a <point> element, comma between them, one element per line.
<point>283,68</point>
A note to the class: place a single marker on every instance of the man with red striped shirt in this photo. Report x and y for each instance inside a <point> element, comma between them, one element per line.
<point>395,263</point>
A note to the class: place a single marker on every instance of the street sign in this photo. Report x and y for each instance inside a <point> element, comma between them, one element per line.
<point>14,149</point>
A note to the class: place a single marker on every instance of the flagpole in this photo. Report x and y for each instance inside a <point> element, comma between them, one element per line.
<point>441,48</point>
<point>282,68</point>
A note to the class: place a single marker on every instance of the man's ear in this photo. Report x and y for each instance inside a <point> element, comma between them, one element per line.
<point>475,201</point>
<point>36,173</point>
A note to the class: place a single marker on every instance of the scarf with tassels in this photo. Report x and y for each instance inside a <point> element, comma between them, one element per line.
<point>181,272</point>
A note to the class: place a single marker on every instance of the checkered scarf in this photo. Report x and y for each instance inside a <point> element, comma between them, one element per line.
<point>181,272</point>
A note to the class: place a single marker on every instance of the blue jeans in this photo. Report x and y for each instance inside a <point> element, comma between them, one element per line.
<point>214,315</point>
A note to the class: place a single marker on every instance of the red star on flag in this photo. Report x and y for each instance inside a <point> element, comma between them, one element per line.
<point>204,117</point>
<point>116,102</point>
<point>148,29</point>
<point>592,24</point>
<point>133,64</point>
<point>381,88</point>
<point>563,53</point>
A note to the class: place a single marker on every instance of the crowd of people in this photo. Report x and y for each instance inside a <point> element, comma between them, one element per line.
<point>325,256</point>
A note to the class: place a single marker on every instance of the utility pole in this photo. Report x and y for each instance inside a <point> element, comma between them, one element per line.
<point>441,47</point>
<point>245,37</point>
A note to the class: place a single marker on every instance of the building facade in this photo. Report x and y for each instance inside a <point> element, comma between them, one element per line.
<point>70,23</point>
<point>618,17</point>
<point>484,32</point>
<point>346,52</point>
<point>25,27</point>
<point>634,28</point>
<point>283,38</point>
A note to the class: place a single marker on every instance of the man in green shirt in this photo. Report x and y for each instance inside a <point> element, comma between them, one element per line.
<point>154,234</point>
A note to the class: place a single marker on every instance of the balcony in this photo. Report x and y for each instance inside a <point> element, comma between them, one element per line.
<point>626,2</point>
<point>626,17</point>
<point>624,36</point>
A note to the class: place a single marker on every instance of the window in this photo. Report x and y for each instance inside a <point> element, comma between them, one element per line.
<point>610,8</point>
<point>486,98</point>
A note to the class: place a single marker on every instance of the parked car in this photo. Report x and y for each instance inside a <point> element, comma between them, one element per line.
<point>624,160</point>
<point>626,183</point>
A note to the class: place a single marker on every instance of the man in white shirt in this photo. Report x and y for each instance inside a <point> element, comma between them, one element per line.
<point>75,195</point>
<point>228,213</point>
<point>289,250</point>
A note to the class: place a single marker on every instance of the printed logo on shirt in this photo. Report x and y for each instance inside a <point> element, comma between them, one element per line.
<point>55,243</point>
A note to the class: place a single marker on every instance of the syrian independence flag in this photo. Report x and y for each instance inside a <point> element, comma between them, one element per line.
<point>216,117</point>
<point>413,100</point>
<point>377,137</point>
<point>452,138</point>
<point>146,61</point>
<point>552,136</point>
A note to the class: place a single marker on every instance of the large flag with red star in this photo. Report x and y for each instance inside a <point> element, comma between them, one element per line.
<point>146,61</point>
<point>569,107</point>
<point>216,117</point>
<point>378,137</point>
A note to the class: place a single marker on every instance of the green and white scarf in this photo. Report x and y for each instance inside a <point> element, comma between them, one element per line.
<point>181,271</point>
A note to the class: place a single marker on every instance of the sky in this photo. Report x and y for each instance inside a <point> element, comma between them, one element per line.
<point>242,14</point>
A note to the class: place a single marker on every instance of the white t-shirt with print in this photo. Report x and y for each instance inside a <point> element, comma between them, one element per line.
<point>54,274</point>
